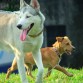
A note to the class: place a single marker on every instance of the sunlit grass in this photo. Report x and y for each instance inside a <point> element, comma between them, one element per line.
<point>56,77</point>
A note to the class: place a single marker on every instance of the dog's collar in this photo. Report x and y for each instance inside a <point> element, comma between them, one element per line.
<point>57,52</point>
<point>36,34</point>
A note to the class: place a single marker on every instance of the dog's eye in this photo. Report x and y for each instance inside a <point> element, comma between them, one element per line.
<point>27,16</point>
<point>67,43</point>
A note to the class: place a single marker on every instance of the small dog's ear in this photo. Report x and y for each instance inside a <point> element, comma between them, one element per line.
<point>59,39</point>
<point>22,4</point>
<point>35,4</point>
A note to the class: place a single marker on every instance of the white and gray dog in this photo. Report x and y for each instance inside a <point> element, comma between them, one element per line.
<point>22,32</point>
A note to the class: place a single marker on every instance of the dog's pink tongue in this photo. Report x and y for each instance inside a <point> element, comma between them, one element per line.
<point>23,35</point>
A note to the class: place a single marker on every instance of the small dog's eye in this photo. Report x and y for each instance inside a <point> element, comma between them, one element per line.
<point>27,16</point>
<point>67,43</point>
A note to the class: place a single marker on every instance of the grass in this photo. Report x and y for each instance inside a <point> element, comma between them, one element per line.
<point>56,77</point>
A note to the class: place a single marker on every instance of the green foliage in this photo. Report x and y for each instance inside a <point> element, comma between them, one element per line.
<point>56,77</point>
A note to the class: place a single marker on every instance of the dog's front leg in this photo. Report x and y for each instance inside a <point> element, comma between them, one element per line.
<point>62,69</point>
<point>38,60</point>
<point>21,68</point>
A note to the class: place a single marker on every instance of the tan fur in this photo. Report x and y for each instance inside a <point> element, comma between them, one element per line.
<point>50,57</point>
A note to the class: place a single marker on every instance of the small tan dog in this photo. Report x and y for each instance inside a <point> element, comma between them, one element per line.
<point>50,56</point>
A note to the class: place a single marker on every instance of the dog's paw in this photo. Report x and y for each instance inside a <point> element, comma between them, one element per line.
<point>70,75</point>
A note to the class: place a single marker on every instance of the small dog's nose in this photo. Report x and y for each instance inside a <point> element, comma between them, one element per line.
<point>19,26</point>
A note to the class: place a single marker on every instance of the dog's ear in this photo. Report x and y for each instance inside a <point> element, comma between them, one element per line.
<point>66,37</point>
<point>22,4</point>
<point>59,39</point>
<point>35,4</point>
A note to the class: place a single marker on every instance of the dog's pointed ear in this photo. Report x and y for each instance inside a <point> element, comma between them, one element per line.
<point>59,39</point>
<point>22,4</point>
<point>65,37</point>
<point>35,4</point>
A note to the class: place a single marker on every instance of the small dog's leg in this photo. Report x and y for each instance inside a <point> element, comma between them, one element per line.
<point>38,60</point>
<point>62,69</point>
<point>48,73</point>
<point>29,69</point>
<point>8,73</point>
<point>12,68</point>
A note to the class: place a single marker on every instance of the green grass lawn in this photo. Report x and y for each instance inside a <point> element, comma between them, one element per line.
<point>56,77</point>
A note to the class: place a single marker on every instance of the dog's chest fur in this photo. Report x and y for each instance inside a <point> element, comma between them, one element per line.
<point>32,43</point>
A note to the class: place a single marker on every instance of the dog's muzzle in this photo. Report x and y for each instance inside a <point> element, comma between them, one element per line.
<point>24,31</point>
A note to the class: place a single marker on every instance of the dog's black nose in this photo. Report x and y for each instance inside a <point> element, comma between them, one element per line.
<point>19,26</point>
